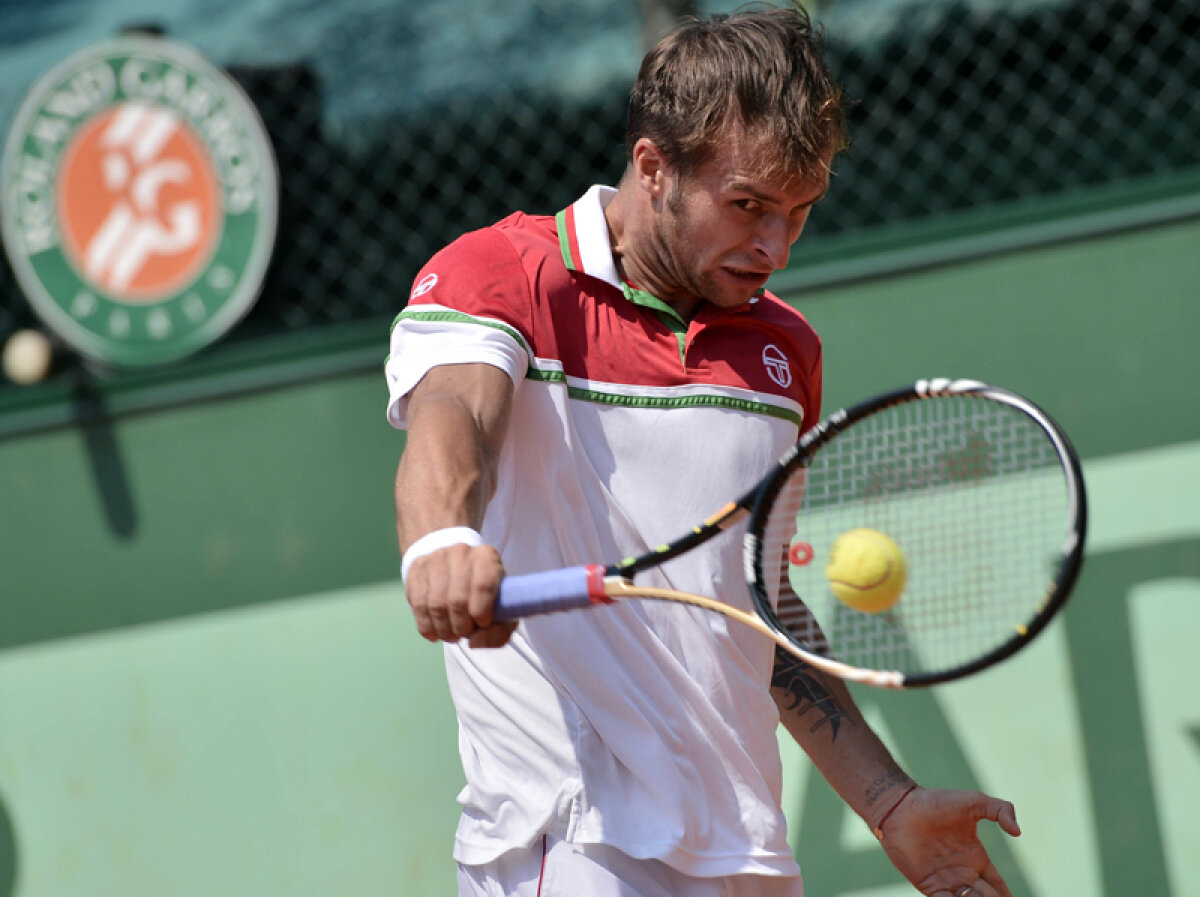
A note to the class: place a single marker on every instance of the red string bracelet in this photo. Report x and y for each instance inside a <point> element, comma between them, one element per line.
<point>878,830</point>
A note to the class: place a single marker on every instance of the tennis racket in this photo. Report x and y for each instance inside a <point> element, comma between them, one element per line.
<point>978,487</point>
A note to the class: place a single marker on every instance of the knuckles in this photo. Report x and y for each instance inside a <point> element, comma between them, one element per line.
<point>451,593</point>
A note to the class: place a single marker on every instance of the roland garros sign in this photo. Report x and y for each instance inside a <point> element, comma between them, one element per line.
<point>140,201</point>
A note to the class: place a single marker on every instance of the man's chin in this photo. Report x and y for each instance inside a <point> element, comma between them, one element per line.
<point>731,298</point>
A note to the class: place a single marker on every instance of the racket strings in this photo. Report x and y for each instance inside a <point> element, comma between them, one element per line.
<point>973,492</point>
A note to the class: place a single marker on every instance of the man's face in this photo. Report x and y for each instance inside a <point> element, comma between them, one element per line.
<point>725,231</point>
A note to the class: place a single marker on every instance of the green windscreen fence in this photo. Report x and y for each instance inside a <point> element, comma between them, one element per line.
<point>397,126</point>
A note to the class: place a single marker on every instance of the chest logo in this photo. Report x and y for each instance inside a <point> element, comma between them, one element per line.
<point>776,364</point>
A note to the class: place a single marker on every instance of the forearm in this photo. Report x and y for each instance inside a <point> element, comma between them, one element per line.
<point>438,487</point>
<point>447,473</point>
<point>821,715</point>
<point>457,421</point>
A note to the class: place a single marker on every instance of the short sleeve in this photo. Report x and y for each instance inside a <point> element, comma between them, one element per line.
<point>469,305</point>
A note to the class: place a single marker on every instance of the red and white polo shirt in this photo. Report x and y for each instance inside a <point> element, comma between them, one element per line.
<point>643,725</point>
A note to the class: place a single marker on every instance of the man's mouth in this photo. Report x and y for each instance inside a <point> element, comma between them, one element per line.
<point>748,276</point>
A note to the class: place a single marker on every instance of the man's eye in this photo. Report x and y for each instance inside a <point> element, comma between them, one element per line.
<point>746,205</point>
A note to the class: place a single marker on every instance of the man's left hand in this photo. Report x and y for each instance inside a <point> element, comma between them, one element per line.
<point>931,838</point>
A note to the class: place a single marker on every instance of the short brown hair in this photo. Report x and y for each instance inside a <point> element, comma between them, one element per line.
<point>761,68</point>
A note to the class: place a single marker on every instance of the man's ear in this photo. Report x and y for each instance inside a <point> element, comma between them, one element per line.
<point>649,167</point>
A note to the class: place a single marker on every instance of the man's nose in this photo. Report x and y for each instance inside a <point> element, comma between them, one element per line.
<point>774,241</point>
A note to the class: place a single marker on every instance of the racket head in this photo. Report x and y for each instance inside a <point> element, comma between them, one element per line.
<point>984,495</point>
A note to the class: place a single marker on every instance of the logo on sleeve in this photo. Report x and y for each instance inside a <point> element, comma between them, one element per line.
<point>424,285</point>
<point>776,364</point>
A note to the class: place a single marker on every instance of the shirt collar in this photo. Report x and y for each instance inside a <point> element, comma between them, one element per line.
<point>586,248</point>
<point>583,236</point>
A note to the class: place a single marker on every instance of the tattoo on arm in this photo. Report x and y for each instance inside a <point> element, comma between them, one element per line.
<point>807,691</point>
<point>881,785</point>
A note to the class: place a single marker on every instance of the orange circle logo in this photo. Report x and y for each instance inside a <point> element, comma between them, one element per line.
<point>141,199</point>
<point>139,202</point>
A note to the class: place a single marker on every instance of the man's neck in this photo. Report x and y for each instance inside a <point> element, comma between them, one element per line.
<point>633,241</point>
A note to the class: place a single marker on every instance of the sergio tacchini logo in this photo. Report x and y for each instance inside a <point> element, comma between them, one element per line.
<point>777,366</point>
<point>140,201</point>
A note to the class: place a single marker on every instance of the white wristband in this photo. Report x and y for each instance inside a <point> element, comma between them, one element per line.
<point>435,541</point>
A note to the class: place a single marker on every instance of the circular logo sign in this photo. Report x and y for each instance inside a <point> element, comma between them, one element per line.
<point>140,201</point>
<point>776,364</point>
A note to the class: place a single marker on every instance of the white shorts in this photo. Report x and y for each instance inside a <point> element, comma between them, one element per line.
<point>553,868</point>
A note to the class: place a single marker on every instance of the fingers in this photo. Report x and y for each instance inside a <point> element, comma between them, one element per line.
<point>452,593</point>
<point>965,882</point>
<point>980,887</point>
<point>990,883</point>
<point>492,636</point>
<point>934,842</point>
<point>1003,814</point>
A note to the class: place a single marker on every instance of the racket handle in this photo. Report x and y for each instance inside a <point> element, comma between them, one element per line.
<point>550,591</point>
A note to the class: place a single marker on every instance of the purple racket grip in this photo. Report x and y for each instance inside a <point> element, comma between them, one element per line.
<point>553,590</point>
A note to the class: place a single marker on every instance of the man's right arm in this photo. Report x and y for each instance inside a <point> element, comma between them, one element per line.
<point>457,421</point>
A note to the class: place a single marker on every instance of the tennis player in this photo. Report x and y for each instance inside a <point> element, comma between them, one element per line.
<point>576,386</point>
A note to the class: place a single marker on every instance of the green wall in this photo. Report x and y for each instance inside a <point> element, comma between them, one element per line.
<point>192,510</point>
<point>209,682</point>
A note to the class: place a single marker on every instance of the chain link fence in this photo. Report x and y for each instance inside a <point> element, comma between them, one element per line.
<point>398,127</point>
<point>960,107</point>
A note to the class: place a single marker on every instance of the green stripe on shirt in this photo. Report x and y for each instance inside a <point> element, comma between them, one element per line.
<point>594,395</point>
<point>458,317</point>
<point>664,402</point>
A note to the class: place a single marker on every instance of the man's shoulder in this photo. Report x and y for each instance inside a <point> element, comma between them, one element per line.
<point>510,239</point>
<point>527,225</point>
<point>773,311</point>
<point>494,273</point>
<point>773,308</point>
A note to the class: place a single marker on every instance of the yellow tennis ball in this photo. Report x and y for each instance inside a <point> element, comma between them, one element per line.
<point>866,570</point>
